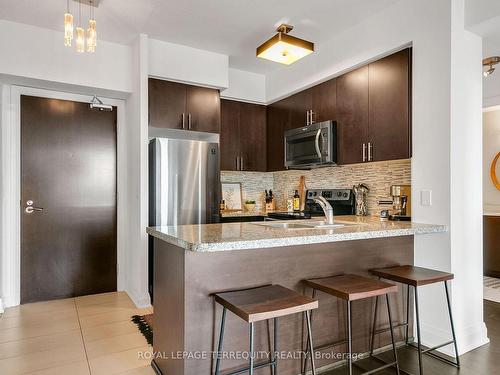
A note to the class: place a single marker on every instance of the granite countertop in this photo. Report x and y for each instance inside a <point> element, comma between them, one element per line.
<point>239,236</point>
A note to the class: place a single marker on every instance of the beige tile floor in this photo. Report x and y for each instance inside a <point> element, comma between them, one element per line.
<point>90,335</point>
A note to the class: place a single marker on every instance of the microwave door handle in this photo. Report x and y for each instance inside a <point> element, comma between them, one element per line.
<point>316,143</point>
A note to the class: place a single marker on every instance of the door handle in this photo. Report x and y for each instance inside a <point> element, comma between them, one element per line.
<point>31,209</point>
<point>316,144</point>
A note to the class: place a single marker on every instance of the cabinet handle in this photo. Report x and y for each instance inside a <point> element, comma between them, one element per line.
<point>307,118</point>
<point>241,163</point>
<point>183,121</point>
<point>370,149</point>
<point>311,116</point>
<point>364,151</point>
<point>189,121</point>
<point>237,164</point>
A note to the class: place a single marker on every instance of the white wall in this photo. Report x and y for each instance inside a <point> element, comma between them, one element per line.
<point>491,146</point>
<point>188,65</point>
<point>37,53</point>
<point>491,84</point>
<point>245,86</point>
<point>427,25</point>
<point>137,194</point>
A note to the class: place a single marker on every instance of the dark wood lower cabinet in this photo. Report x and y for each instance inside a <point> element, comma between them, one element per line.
<point>491,246</point>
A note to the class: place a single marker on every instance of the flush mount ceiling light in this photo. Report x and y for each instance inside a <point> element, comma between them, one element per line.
<point>284,48</point>
<point>489,62</point>
<point>83,38</point>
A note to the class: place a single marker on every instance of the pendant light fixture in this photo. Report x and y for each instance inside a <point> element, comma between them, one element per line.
<point>92,30</point>
<point>284,48</point>
<point>80,32</point>
<point>83,38</point>
<point>490,63</point>
<point>68,26</point>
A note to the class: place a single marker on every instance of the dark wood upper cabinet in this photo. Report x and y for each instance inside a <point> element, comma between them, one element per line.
<point>299,104</point>
<point>389,107</point>
<point>167,104</point>
<point>230,135</point>
<point>253,137</point>
<point>178,106</point>
<point>243,136</point>
<point>203,109</point>
<point>324,101</point>
<point>352,116</point>
<point>277,122</point>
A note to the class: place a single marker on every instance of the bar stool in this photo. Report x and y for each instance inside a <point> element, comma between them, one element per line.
<point>258,304</point>
<point>352,288</point>
<point>417,277</point>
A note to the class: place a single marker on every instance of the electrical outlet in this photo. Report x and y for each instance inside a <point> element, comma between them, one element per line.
<point>426,197</point>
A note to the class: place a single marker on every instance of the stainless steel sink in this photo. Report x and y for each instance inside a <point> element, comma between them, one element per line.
<point>303,225</point>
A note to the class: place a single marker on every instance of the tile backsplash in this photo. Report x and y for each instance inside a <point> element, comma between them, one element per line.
<point>377,176</point>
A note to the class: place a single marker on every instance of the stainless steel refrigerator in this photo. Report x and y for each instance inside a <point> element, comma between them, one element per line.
<point>184,181</point>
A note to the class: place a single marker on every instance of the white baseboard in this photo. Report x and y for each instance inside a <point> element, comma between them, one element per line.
<point>140,300</point>
<point>1,307</point>
<point>469,339</point>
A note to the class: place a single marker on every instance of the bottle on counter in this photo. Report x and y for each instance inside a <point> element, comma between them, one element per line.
<point>222,205</point>
<point>296,201</point>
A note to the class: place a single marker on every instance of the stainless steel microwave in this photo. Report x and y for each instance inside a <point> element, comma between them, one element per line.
<point>311,146</point>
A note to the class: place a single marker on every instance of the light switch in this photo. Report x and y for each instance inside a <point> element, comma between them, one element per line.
<point>426,197</point>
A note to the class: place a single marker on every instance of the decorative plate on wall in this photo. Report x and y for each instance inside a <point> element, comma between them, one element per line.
<point>493,171</point>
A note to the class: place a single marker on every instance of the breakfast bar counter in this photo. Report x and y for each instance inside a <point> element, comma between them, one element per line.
<point>192,262</point>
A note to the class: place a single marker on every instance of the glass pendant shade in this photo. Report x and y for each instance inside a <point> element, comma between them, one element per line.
<point>80,39</point>
<point>92,36</point>
<point>68,29</point>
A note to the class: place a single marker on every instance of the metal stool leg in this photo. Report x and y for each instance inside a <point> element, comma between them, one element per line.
<point>349,337</point>
<point>306,349</point>
<point>250,352</point>
<point>407,337</point>
<point>392,334</point>
<point>275,347</point>
<point>310,341</point>
<point>420,365</point>
<point>451,323</point>
<point>372,341</point>
<point>221,338</point>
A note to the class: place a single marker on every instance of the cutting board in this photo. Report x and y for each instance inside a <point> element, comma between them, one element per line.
<point>302,192</point>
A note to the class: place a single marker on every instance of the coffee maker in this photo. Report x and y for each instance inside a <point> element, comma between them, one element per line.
<point>401,203</point>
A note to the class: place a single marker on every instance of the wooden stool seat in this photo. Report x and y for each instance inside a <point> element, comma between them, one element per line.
<point>266,302</point>
<point>351,287</point>
<point>411,275</point>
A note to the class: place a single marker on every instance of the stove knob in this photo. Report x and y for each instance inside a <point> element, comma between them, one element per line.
<point>339,194</point>
<point>345,195</point>
<point>315,193</point>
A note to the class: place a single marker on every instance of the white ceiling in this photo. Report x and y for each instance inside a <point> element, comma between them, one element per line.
<point>232,27</point>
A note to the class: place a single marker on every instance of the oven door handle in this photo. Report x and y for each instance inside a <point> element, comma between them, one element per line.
<point>316,143</point>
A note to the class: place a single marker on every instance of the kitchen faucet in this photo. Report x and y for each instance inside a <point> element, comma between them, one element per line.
<point>327,209</point>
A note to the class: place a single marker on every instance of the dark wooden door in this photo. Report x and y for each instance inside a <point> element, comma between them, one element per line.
<point>68,168</point>
<point>389,108</point>
<point>253,137</point>
<point>491,246</point>
<point>203,108</point>
<point>277,123</point>
<point>352,115</point>
<point>229,135</point>
<point>167,104</point>
<point>324,101</point>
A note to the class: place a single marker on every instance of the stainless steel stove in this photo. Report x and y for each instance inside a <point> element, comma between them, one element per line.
<point>342,201</point>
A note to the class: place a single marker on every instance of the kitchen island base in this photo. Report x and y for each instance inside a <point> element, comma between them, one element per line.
<point>187,318</point>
